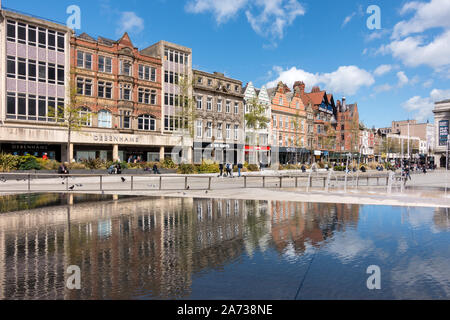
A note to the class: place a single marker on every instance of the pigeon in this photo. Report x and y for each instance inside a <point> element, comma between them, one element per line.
<point>71,187</point>
<point>123,179</point>
<point>206,192</point>
<point>188,188</point>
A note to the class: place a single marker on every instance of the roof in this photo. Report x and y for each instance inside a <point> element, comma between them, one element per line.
<point>316,97</point>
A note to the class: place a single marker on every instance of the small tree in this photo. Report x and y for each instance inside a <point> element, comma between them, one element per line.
<point>255,118</point>
<point>186,112</point>
<point>70,116</point>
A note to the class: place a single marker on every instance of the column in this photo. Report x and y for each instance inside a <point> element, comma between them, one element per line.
<point>161,153</point>
<point>116,153</point>
<point>70,152</point>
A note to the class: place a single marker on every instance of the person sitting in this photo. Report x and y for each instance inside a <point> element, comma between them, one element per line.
<point>63,169</point>
<point>303,168</point>
<point>118,168</point>
<point>112,169</point>
<point>363,169</point>
<point>155,169</point>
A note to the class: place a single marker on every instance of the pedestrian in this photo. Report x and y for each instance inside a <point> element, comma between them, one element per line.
<point>231,170</point>
<point>155,169</point>
<point>221,169</point>
<point>303,168</point>
<point>118,168</point>
<point>130,158</point>
<point>239,169</point>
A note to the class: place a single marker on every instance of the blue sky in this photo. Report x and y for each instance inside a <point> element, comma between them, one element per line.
<point>393,73</point>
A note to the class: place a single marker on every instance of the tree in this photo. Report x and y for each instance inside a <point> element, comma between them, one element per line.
<point>71,116</point>
<point>255,118</point>
<point>186,112</point>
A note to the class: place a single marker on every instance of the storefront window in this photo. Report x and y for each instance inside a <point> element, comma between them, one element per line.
<point>104,119</point>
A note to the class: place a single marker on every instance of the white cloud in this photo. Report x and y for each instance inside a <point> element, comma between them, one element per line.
<point>130,22</point>
<point>348,19</point>
<point>345,80</point>
<point>222,10</point>
<point>382,70</point>
<point>402,79</point>
<point>383,88</point>
<point>423,107</point>
<point>414,48</point>
<point>268,18</point>
<point>434,14</point>
<point>413,51</point>
<point>428,83</point>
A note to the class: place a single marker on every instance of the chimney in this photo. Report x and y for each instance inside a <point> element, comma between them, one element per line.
<point>301,87</point>
<point>315,89</point>
<point>344,104</point>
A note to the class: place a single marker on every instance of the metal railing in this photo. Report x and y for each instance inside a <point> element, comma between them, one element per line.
<point>35,182</point>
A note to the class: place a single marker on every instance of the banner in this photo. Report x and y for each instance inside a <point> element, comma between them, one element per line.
<point>443,132</point>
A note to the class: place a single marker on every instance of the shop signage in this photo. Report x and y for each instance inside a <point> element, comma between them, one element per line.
<point>326,108</point>
<point>257,148</point>
<point>115,138</point>
<point>443,132</point>
<point>317,153</point>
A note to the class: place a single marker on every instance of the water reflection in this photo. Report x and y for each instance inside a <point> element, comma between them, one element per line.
<point>156,248</point>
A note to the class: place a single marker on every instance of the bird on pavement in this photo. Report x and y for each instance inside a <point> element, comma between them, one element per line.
<point>123,179</point>
<point>188,187</point>
<point>72,187</point>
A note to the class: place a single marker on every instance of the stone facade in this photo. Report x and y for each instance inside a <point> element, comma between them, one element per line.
<point>219,125</point>
<point>441,123</point>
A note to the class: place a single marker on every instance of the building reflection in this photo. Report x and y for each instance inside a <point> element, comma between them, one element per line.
<point>150,247</point>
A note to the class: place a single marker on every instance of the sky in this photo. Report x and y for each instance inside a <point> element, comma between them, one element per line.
<point>394,62</point>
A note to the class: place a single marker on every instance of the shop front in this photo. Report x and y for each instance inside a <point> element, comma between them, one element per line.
<point>257,155</point>
<point>218,152</point>
<point>53,151</point>
<point>293,155</point>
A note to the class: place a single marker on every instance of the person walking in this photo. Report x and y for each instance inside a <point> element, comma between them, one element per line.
<point>239,169</point>
<point>155,169</point>
<point>221,169</point>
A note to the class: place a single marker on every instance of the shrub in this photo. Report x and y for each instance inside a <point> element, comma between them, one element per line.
<point>252,167</point>
<point>208,167</point>
<point>187,169</point>
<point>168,163</point>
<point>76,166</point>
<point>8,162</point>
<point>94,164</point>
<point>339,168</point>
<point>28,162</point>
<point>48,164</point>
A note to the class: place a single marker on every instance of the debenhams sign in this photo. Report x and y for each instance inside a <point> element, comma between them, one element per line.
<point>105,138</point>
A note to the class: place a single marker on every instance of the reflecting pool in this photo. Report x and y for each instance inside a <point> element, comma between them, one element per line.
<point>174,248</point>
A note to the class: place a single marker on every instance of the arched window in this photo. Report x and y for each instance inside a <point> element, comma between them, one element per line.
<point>146,123</point>
<point>104,119</point>
<point>85,116</point>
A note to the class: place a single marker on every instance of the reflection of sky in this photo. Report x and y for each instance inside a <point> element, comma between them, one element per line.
<point>349,245</point>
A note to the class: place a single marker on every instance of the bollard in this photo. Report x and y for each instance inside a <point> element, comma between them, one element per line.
<point>160,183</point>
<point>296,182</point>
<point>324,182</point>
<point>101,183</point>
<point>132,183</point>
<point>185,183</point>
<point>29,182</point>
<point>264,182</point>
<point>245,182</point>
<point>209,183</point>
<point>281,182</point>
<point>67,184</point>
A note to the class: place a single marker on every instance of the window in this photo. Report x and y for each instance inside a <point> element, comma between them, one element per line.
<point>210,82</point>
<point>147,73</point>
<point>52,73</point>
<point>51,40</point>
<point>170,99</point>
<point>11,31</point>
<point>147,96</point>
<point>209,129</point>
<point>85,116</point>
<point>22,33</point>
<point>11,105</point>
<point>11,67</point>
<point>84,60</point>
<point>199,102</point>
<point>228,131</point>
<point>32,36</point>
<point>125,119</point>
<point>105,89</point>
<point>61,42</point>
<point>281,100</point>
<point>125,92</point>
<point>171,77</point>
<point>219,105</point>
<point>236,132</point>
<point>209,104</point>
<point>42,72</point>
<point>31,107</point>
<point>228,107</point>
<point>199,80</point>
<point>236,108</point>
<point>199,129</point>
<point>42,37</point>
<point>61,76</point>
<point>219,131</point>
<point>104,64</point>
<point>146,123</point>
<point>236,88</point>
<point>274,121</point>
<point>297,105</point>
<point>22,68</point>
<point>126,68</point>
<point>287,123</point>
<point>104,119</point>
<point>84,86</point>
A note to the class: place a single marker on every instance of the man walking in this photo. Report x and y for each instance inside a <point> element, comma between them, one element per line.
<point>221,169</point>
<point>239,169</point>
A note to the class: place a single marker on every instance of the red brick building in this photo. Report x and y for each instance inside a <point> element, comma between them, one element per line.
<point>348,131</point>
<point>120,89</point>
